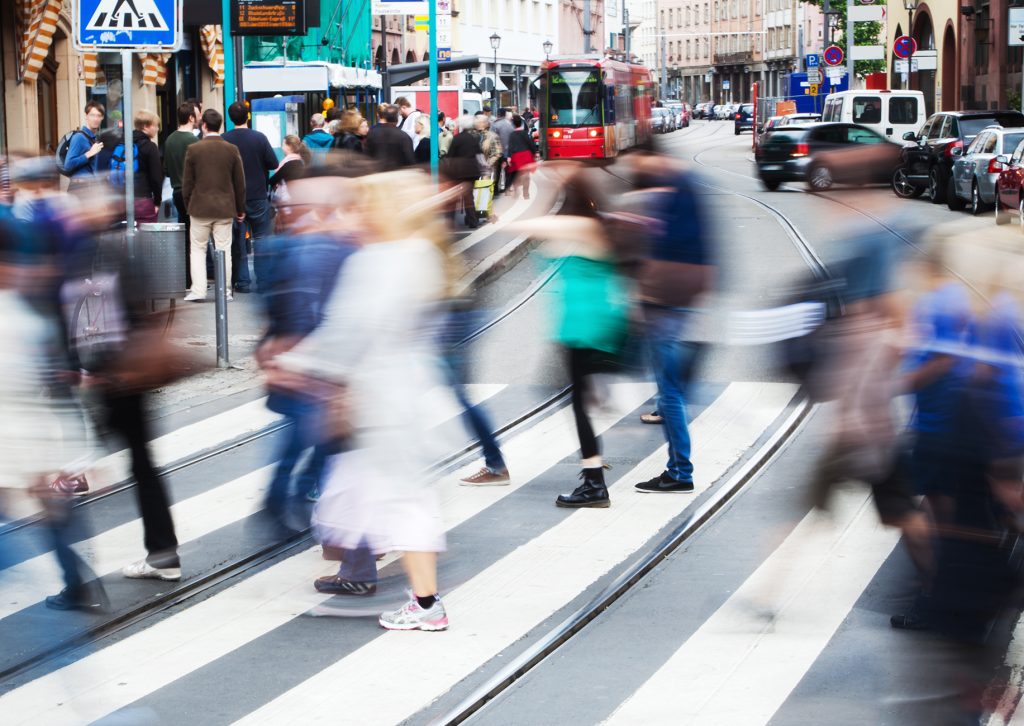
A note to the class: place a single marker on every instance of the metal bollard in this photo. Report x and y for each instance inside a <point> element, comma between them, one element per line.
<point>220,296</point>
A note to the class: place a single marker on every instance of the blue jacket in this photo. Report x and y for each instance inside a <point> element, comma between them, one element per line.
<point>318,141</point>
<point>76,164</point>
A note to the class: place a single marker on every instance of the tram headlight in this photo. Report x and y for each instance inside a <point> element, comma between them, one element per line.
<point>594,133</point>
<point>556,134</point>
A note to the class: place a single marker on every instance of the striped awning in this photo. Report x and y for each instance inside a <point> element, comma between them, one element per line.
<point>154,68</point>
<point>212,41</point>
<point>37,23</point>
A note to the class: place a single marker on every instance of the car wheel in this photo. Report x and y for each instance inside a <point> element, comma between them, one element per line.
<point>936,189</point>
<point>902,187</point>
<point>977,206</point>
<point>771,184</point>
<point>819,178</point>
<point>954,202</point>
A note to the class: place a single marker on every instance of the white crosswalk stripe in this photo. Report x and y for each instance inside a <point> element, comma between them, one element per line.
<point>104,681</point>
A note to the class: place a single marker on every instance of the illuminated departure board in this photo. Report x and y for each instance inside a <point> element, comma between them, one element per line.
<point>268,17</point>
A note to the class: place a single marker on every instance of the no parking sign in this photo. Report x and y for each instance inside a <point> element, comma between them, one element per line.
<point>904,46</point>
<point>833,55</point>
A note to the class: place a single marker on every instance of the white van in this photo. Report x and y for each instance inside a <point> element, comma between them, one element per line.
<point>890,113</point>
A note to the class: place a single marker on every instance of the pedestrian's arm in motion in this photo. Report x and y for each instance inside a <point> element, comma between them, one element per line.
<point>188,179</point>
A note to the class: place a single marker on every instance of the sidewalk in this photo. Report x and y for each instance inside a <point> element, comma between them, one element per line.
<point>487,252</point>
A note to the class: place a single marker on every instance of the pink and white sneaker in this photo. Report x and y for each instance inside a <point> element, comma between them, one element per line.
<point>412,617</point>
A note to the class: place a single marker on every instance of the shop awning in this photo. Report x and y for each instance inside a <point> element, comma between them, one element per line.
<point>212,41</point>
<point>37,23</point>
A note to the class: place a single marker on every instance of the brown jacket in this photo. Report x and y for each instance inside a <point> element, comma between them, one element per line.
<point>213,183</point>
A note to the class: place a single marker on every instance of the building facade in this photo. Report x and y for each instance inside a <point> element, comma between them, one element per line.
<point>738,32</point>
<point>982,63</point>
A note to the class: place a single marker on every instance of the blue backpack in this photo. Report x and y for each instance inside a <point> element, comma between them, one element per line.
<point>118,164</point>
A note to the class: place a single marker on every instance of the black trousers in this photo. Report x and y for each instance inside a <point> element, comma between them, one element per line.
<point>125,417</point>
<point>581,365</point>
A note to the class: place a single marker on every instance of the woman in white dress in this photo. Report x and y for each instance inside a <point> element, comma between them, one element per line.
<point>378,341</point>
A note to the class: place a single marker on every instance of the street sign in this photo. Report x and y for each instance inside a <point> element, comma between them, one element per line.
<point>400,7</point>
<point>268,17</point>
<point>443,19</point>
<point>814,75</point>
<point>812,60</point>
<point>812,89</point>
<point>833,55</point>
<point>836,74</point>
<point>141,25</point>
<point>726,84</point>
<point>1016,26</point>
<point>904,46</point>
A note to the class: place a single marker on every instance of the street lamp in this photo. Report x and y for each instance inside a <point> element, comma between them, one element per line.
<point>495,43</point>
<point>548,46</point>
<point>910,6</point>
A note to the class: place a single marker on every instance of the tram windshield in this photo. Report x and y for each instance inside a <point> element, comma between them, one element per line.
<point>574,97</point>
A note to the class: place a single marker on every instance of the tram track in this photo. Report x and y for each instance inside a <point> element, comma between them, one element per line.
<point>550,642</point>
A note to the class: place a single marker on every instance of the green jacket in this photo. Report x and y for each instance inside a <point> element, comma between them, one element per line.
<point>174,155</point>
<point>594,305</point>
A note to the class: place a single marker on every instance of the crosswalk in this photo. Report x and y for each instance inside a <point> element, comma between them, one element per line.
<point>251,653</point>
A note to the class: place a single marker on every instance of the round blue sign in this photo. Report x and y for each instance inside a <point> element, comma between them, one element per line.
<point>833,55</point>
<point>904,46</point>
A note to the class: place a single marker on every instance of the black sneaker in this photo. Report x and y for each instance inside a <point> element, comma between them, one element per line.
<point>591,493</point>
<point>335,585</point>
<point>89,597</point>
<point>666,484</point>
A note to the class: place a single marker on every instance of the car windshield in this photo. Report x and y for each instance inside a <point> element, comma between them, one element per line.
<point>574,98</point>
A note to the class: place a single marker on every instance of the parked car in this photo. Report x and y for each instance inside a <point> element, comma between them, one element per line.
<point>975,170</point>
<point>661,120</point>
<point>799,118</point>
<point>890,113</point>
<point>700,109</point>
<point>682,118</point>
<point>928,162</point>
<point>1009,192</point>
<point>824,154</point>
<point>725,111</point>
<point>743,119</point>
<point>767,126</point>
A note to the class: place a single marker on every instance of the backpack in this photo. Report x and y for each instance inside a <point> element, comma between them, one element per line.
<point>118,164</point>
<point>63,146</point>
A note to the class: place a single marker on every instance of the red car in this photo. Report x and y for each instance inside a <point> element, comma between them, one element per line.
<point>1010,186</point>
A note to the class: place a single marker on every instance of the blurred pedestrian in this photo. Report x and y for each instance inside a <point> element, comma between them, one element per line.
<point>174,166</point>
<point>421,143</point>
<point>407,116</point>
<point>351,134</point>
<point>80,162</point>
<point>373,342</point>
<point>522,158</point>
<point>297,157</point>
<point>258,161</point>
<point>591,320</point>
<point>332,118</point>
<point>490,146</point>
<point>387,145</point>
<point>213,187</point>
<point>678,271</point>
<point>503,127</point>
<point>318,139</point>
<point>462,166</point>
<point>444,137</point>
<point>149,178</point>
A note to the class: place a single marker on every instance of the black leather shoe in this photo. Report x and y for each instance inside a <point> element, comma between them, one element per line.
<point>591,493</point>
<point>337,585</point>
<point>664,483</point>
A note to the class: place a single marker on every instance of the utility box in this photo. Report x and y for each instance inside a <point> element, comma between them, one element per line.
<point>163,252</point>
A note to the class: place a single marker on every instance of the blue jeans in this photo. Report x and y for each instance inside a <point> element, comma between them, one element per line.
<point>259,220</point>
<point>358,565</point>
<point>673,360</point>
<point>474,415</point>
<point>297,442</point>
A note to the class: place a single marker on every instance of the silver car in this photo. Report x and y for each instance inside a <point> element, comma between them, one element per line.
<point>973,182</point>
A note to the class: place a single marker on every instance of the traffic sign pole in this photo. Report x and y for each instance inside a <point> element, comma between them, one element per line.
<point>432,66</point>
<point>229,59</point>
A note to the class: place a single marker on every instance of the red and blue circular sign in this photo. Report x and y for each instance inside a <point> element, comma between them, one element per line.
<point>833,55</point>
<point>904,46</point>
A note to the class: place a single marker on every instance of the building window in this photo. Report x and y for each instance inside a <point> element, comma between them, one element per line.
<point>671,19</point>
<point>687,50</point>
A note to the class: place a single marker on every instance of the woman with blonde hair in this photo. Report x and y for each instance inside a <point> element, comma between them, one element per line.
<point>296,157</point>
<point>349,137</point>
<point>375,343</point>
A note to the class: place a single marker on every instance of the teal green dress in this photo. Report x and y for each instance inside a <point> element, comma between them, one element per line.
<point>594,305</point>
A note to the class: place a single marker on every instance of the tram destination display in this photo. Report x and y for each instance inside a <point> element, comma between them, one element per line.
<point>268,17</point>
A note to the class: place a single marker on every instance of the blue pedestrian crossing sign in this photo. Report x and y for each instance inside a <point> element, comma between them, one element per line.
<point>144,25</point>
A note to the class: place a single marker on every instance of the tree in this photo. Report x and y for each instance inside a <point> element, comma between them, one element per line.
<point>863,34</point>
